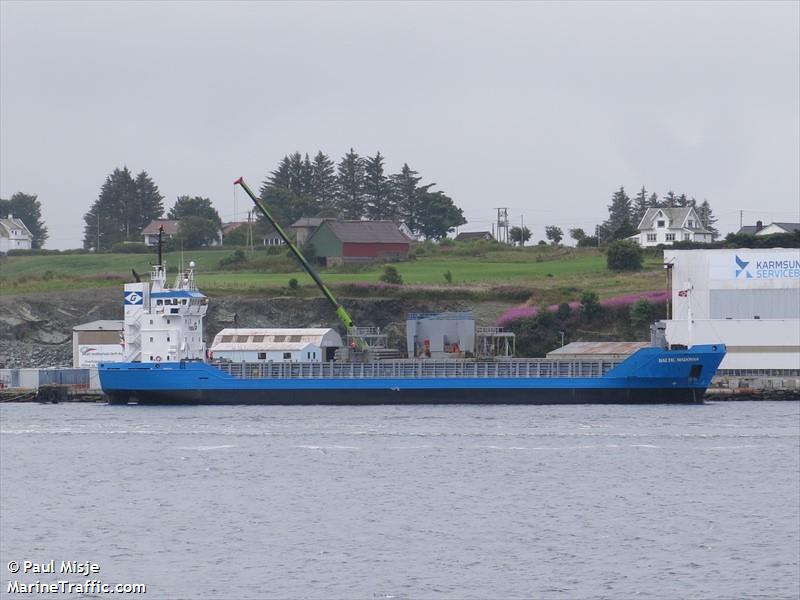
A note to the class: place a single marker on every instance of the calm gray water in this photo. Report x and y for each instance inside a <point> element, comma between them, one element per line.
<point>408,502</point>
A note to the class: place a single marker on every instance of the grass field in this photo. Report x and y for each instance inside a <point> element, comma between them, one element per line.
<point>540,268</point>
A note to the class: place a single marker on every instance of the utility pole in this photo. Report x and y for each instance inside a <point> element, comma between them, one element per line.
<point>502,224</point>
<point>740,219</point>
<point>521,230</point>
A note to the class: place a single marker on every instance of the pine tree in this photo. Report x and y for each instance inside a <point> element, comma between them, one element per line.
<point>707,218</point>
<point>28,209</point>
<point>113,211</point>
<point>350,180</point>
<point>323,181</point>
<point>404,197</point>
<point>640,205</point>
<point>282,176</point>
<point>670,200</point>
<point>619,211</point>
<point>376,189</point>
<point>653,201</point>
<point>683,201</point>
<point>149,202</point>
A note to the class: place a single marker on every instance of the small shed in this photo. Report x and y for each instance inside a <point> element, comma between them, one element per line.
<point>440,335</point>
<point>276,345</point>
<point>337,242</point>
<point>97,341</point>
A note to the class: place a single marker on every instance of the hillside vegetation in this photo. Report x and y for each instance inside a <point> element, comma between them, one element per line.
<point>484,270</point>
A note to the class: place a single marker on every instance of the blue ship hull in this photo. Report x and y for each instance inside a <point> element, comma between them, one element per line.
<point>650,375</point>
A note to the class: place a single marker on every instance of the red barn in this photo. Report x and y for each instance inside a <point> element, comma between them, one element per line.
<point>337,242</point>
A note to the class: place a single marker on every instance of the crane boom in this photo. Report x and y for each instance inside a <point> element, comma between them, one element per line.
<point>343,315</point>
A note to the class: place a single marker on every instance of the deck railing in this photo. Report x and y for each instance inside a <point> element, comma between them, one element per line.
<point>420,369</point>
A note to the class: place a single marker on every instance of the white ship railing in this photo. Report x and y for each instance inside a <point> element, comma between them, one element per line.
<point>420,369</point>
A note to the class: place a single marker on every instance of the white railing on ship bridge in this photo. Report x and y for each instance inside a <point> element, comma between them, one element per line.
<point>416,369</point>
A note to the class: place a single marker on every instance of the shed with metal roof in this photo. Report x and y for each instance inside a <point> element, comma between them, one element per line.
<point>277,345</point>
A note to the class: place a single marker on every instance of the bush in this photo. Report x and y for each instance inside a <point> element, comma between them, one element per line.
<point>390,275</point>
<point>562,312</point>
<point>130,248</point>
<point>446,243</point>
<point>32,252</point>
<point>448,276</point>
<point>236,259</point>
<point>293,284</point>
<point>590,304</point>
<point>624,256</point>
<point>641,312</point>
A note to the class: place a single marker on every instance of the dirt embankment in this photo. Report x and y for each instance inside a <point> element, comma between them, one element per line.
<point>36,329</point>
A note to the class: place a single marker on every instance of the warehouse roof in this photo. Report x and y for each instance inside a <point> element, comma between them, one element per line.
<point>368,232</point>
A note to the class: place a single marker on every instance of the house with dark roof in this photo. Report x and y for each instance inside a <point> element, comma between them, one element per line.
<point>338,242</point>
<point>171,229</point>
<point>775,227</point>
<point>305,227</point>
<point>468,236</point>
<point>668,225</point>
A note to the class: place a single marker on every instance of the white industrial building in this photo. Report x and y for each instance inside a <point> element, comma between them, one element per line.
<point>277,345</point>
<point>96,342</point>
<point>748,299</point>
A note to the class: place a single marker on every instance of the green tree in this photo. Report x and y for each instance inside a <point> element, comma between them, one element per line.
<point>197,232</point>
<point>519,235</point>
<point>350,182</point>
<point>641,313</point>
<point>323,181</point>
<point>577,234</point>
<point>618,211</point>
<point>391,275</point>
<point>405,197</point>
<point>554,234</point>
<point>669,201</point>
<point>194,206</point>
<point>590,304</point>
<point>236,237</point>
<point>28,209</point>
<point>623,255</point>
<point>640,205</point>
<point>437,215</point>
<point>625,230</point>
<point>149,203</point>
<point>376,189</point>
<point>707,218</point>
<point>112,212</point>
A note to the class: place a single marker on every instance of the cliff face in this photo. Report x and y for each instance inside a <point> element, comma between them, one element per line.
<point>36,330</point>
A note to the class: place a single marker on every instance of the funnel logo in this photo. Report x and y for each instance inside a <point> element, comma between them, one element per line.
<point>133,298</point>
<point>742,268</point>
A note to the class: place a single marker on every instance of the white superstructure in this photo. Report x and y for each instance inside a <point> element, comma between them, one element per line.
<point>164,324</point>
<point>748,299</point>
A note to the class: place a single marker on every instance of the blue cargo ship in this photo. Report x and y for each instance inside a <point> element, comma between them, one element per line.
<point>166,362</point>
<point>650,375</point>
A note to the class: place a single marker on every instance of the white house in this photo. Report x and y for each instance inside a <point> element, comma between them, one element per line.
<point>668,225</point>
<point>14,235</point>
<point>277,345</point>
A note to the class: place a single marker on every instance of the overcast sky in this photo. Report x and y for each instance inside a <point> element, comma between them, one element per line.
<point>545,108</point>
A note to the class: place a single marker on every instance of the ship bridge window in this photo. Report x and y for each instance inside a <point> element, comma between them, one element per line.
<point>159,302</point>
<point>183,301</point>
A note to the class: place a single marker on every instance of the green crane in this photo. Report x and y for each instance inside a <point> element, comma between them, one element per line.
<point>343,315</point>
